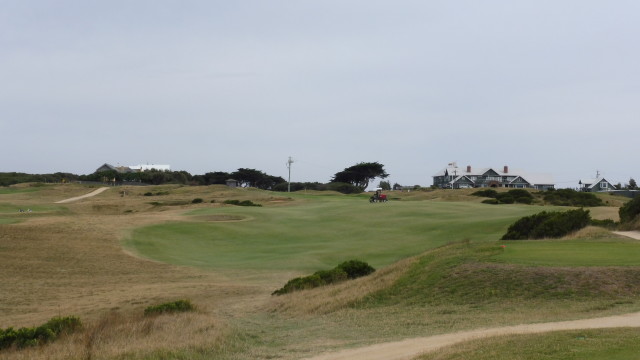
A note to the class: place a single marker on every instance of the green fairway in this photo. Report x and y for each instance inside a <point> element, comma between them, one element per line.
<point>6,208</point>
<point>605,344</point>
<point>8,190</point>
<point>321,232</point>
<point>619,252</point>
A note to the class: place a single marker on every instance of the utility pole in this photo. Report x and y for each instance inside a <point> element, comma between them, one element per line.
<point>289,162</point>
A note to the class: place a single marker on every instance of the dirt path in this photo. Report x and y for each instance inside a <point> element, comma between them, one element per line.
<point>631,234</point>
<point>411,348</point>
<point>93,193</point>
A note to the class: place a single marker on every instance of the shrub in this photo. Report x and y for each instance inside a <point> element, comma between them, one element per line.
<point>548,225</point>
<point>332,276</point>
<point>196,201</point>
<point>570,197</point>
<point>356,268</point>
<point>512,196</point>
<point>170,307</point>
<point>629,211</point>
<point>524,200</point>
<point>505,198</point>
<point>351,269</point>
<point>148,194</point>
<point>607,223</point>
<point>490,193</point>
<point>38,335</point>
<point>241,203</point>
<point>520,193</point>
<point>491,201</point>
<point>344,188</point>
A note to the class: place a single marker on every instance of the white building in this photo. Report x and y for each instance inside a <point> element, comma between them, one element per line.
<point>150,167</point>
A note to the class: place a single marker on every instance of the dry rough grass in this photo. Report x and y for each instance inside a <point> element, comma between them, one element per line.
<point>590,232</point>
<point>605,212</point>
<point>72,263</point>
<point>116,334</point>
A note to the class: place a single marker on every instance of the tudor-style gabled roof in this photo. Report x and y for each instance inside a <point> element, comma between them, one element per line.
<point>591,183</point>
<point>106,166</point>
<point>519,178</point>
<point>459,178</point>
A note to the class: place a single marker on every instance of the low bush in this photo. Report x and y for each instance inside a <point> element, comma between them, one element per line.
<point>607,223</point>
<point>170,307</point>
<point>548,225</point>
<point>351,269</point>
<point>344,188</point>
<point>524,200</point>
<point>47,332</point>
<point>630,210</point>
<point>490,193</point>
<point>505,198</point>
<point>241,203</point>
<point>520,196</point>
<point>570,197</point>
<point>520,193</point>
<point>197,201</point>
<point>169,203</point>
<point>356,268</point>
<point>332,276</point>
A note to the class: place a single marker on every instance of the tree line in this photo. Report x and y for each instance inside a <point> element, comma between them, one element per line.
<point>353,179</point>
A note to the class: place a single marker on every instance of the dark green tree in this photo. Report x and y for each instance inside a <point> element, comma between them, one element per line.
<point>632,184</point>
<point>256,178</point>
<point>361,174</point>
<point>216,177</point>
<point>247,177</point>
<point>384,185</point>
<point>630,211</point>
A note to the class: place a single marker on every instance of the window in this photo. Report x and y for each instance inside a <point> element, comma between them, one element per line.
<point>604,185</point>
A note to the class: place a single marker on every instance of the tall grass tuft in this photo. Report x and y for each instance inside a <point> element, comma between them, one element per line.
<point>170,307</point>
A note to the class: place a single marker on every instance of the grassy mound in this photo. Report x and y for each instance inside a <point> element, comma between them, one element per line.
<point>465,273</point>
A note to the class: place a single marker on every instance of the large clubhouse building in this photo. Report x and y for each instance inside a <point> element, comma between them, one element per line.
<point>453,177</point>
<point>133,168</point>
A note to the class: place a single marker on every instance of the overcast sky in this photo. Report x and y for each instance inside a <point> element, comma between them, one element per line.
<point>543,86</point>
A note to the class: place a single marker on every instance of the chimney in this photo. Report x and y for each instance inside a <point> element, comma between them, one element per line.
<point>468,168</point>
<point>506,169</point>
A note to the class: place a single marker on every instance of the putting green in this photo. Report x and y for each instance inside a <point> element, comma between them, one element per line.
<point>320,232</point>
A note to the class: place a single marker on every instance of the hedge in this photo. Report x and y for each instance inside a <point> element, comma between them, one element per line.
<point>548,225</point>
<point>351,269</point>
<point>47,332</point>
